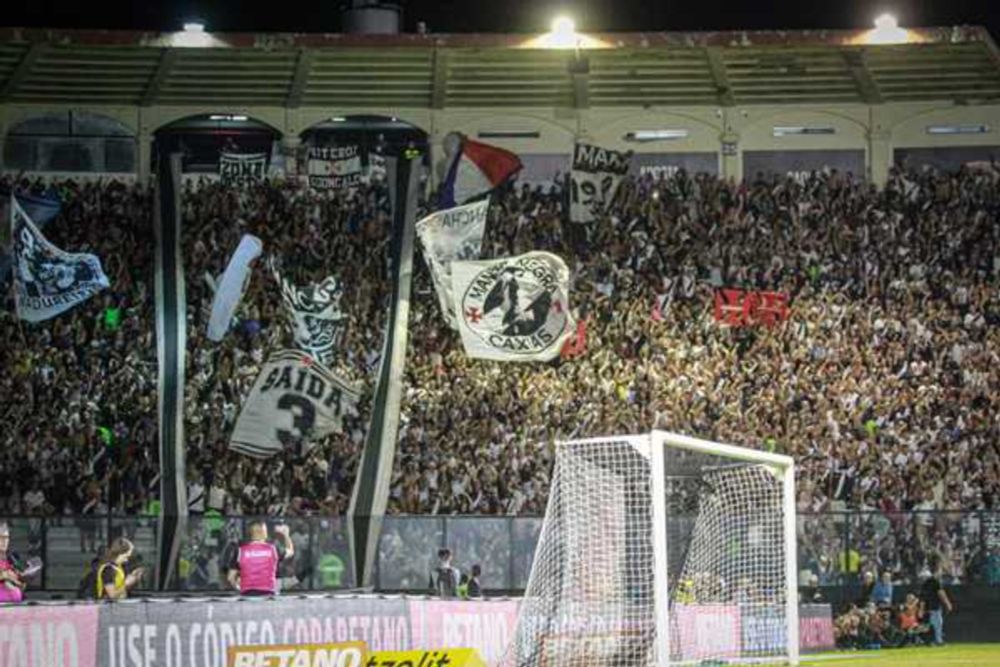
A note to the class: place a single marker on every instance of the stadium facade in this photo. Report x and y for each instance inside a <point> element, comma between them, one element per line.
<point>734,103</point>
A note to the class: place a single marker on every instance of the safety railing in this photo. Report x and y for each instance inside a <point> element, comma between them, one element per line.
<point>835,548</point>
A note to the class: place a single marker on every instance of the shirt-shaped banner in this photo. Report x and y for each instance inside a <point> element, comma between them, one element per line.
<point>294,402</point>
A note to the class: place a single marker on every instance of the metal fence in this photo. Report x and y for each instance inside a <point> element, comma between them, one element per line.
<point>834,548</point>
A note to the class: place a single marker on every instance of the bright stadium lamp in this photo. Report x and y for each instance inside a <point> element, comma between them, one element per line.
<point>194,26</point>
<point>564,26</point>
<point>887,31</point>
<point>886,22</point>
<point>563,35</point>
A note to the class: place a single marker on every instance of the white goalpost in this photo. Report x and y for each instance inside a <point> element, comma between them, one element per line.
<point>659,550</point>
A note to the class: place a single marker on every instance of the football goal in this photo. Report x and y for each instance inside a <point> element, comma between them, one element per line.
<point>662,549</point>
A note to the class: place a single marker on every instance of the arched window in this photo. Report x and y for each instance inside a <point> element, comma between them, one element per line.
<point>70,141</point>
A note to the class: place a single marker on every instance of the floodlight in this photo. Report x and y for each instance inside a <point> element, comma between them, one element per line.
<point>563,25</point>
<point>886,22</point>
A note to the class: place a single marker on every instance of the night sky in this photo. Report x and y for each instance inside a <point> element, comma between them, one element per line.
<point>507,15</point>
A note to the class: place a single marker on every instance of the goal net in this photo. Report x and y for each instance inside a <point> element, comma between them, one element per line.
<point>662,550</point>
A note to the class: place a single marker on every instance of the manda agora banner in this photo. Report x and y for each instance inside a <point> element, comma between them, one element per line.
<point>514,308</point>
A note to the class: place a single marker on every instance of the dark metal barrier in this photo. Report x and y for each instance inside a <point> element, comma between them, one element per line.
<point>835,549</point>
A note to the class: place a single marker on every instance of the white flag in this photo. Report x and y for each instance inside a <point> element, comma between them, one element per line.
<point>455,234</point>
<point>594,180</point>
<point>47,280</point>
<point>294,402</point>
<point>513,309</point>
<point>229,290</point>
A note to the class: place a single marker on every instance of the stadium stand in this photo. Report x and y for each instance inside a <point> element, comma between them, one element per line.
<point>881,384</point>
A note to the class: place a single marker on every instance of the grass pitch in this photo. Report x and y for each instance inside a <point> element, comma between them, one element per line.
<point>973,655</point>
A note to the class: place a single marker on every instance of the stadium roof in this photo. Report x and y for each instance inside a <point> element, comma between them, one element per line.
<point>961,64</point>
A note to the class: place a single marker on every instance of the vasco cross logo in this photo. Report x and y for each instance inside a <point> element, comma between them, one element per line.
<point>516,306</point>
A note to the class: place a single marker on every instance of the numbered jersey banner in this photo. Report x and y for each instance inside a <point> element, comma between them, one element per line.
<point>451,236</point>
<point>317,320</point>
<point>513,309</point>
<point>294,402</point>
<point>594,180</point>
<point>332,168</point>
<point>47,280</point>
<point>242,169</point>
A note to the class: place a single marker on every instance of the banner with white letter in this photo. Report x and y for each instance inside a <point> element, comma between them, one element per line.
<point>596,174</point>
<point>336,167</point>
<point>242,168</point>
<point>455,234</point>
<point>49,281</point>
<point>294,402</point>
<point>513,309</point>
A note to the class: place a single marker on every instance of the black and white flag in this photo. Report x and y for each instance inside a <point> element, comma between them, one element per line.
<point>334,168</point>
<point>594,180</point>
<point>515,308</point>
<point>242,168</point>
<point>317,320</point>
<point>452,235</point>
<point>47,280</point>
<point>294,402</point>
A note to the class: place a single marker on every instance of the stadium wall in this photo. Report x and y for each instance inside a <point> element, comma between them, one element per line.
<point>737,135</point>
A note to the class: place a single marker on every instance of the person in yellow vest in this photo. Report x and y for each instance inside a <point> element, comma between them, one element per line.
<point>112,581</point>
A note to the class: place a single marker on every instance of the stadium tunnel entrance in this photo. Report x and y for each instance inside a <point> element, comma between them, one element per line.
<point>203,139</point>
<point>371,137</point>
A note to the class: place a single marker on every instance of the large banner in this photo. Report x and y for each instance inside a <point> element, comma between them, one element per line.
<point>332,168</point>
<point>453,235</point>
<point>60,636</point>
<point>229,291</point>
<point>317,320</point>
<point>197,633</point>
<point>293,402</point>
<point>513,309</point>
<point>594,180</point>
<point>242,168</point>
<point>47,280</point>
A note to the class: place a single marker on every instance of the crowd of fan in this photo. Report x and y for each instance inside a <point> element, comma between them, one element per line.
<point>881,382</point>
<point>79,391</point>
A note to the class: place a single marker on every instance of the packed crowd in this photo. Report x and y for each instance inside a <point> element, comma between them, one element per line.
<point>70,443</point>
<point>881,382</point>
